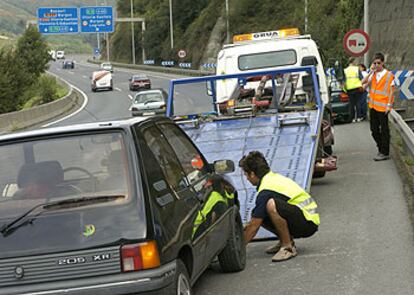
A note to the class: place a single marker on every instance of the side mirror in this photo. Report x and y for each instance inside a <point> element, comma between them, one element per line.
<point>307,82</point>
<point>309,61</point>
<point>223,166</point>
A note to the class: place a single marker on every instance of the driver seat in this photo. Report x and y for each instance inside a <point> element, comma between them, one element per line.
<point>48,174</point>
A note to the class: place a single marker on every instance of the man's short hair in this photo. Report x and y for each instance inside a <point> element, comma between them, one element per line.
<point>255,162</point>
<point>379,56</point>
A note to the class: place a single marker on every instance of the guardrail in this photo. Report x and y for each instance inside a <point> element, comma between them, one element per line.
<point>406,133</point>
<point>170,70</point>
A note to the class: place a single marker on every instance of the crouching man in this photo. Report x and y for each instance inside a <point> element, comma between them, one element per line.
<point>282,207</point>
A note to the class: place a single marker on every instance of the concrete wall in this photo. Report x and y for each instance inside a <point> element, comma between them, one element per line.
<point>391,31</point>
<point>40,114</point>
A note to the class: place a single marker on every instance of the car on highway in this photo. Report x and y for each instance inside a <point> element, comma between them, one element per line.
<point>101,80</point>
<point>149,102</point>
<point>341,107</point>
<point>68,64</point>
<point>60,54</point>
<point>139,82</point>
<point>120,207</point>
<point>107,66</point>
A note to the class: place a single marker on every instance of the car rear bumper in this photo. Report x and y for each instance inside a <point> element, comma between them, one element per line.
<point>140,282</point>
<point>148,112</point>
<point>341,110</point>
<point>135,87</point>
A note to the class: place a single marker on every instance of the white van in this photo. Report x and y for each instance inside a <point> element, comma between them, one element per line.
<point>60,54</point>
<point>101,80</point>
<point>265,51</point>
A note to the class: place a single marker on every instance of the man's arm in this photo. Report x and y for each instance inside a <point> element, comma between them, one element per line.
<point>251,229</point>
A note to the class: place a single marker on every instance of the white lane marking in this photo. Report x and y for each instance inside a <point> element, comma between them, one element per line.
<point>85,102</point>
<point>130,97</point>
<point>118,89</point>
<point>71,72</point>
<point>85,77</point>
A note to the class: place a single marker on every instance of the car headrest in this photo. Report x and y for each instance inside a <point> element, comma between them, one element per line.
<point>46,173</point>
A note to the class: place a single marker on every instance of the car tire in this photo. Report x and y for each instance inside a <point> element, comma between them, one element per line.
<point>233,257</point>
<point>182,283</point>
<point>318,174</point>
<point>93,90</point>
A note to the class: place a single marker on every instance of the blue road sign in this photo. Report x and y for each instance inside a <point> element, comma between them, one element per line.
<point>97,19</point>
<point>58,20</point>
<point>405,81</point>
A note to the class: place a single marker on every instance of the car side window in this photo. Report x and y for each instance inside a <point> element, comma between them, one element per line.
<point>166,158</point>
<point>192,162</point>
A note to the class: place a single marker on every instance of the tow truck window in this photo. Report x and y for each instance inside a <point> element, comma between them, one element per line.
<point>267,60</point>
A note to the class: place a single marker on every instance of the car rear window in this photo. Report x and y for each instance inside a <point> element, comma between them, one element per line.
<point>148,97</point>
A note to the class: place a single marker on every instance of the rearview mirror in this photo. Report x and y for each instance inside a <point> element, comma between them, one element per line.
<point>223,166</point>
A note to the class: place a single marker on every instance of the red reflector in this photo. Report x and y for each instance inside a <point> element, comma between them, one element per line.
<point>343,97</point>
<point>131,258</point>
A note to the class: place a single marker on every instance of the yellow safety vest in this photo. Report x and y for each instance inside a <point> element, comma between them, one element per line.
<point>352,78</point>
<point>297,195</point>
<point>212,200</point>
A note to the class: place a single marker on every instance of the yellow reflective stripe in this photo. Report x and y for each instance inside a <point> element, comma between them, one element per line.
<point>380,103</point>
<point>297,196</point>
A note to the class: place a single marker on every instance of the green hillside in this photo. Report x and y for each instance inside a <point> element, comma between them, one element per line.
<point>194,21</point>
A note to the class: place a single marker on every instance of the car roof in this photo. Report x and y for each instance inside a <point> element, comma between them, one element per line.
<point>82,127</point>
<point>154,90</point>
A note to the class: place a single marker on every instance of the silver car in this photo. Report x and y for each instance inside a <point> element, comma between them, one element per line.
<point>149,102</point>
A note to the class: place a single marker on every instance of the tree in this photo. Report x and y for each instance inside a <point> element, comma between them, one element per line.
<point>14,78</point>
<point>33,50</point>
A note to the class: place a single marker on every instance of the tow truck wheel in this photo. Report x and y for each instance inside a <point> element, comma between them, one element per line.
<point>233,257</point>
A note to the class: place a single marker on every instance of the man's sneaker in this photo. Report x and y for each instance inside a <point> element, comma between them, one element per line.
<point>353,120</point>
<point>273,249</point>
<point>381,157</point>
<point>285,253</point>
<point>360,119</point>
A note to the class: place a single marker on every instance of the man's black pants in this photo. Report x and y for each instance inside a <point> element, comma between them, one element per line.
<point>354,102</point>
<point>380,130</point>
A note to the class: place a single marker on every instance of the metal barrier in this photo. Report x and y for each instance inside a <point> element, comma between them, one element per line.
<point>406,133</point>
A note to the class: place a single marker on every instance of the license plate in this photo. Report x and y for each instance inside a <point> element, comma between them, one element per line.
<point>148,113</point>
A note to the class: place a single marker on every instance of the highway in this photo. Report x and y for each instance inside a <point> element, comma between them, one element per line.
<point>365,242</point>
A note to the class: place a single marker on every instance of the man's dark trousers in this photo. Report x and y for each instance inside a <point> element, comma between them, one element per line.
<point>380,130</point>
<point>354,102</point>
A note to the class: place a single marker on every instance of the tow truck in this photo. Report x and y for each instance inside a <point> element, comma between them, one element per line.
<point>269,51</point>
<point>288,136</point>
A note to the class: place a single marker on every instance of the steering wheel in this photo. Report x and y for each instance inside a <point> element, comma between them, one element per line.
<point>75,168</point>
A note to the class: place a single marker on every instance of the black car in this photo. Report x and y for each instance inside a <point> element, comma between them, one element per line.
<point>122,207</point>
<point>68,64</point>
<point>138,82</point>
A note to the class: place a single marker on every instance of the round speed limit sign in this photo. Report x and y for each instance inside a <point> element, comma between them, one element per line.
<point>356,42</point>
<point>182,53</point>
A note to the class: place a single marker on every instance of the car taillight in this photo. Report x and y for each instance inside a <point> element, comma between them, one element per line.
<point>343,97</point>
<point>139,256</point>
<point>230,103</point>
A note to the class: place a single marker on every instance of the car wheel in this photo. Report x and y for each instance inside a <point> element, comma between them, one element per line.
<point>233,257</point>
<point>93,90</point>
<point>181,285</point>
<point>318,174</point>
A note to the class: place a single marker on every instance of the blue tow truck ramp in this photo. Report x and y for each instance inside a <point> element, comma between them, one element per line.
<point>289,140</point>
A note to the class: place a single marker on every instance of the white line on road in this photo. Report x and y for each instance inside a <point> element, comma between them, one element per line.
<point>85,102</point>
<point>118,89</point>
<point>71,72</point>
<point>85,77</point>
<point>130,97</point>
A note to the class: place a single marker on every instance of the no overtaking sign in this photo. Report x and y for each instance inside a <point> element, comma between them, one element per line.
<point>356,42</point>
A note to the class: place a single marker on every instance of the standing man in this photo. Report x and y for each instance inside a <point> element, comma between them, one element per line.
<point>381,99</point>
<point>353,87</point>
<point>282,207</point>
